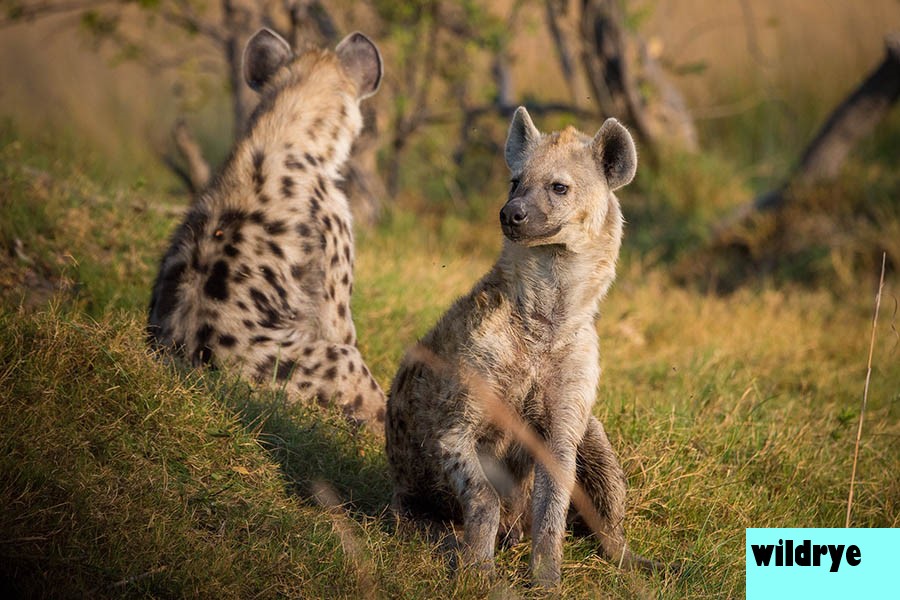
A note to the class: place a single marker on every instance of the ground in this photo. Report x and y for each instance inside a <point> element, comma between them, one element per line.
<point>122,475</point>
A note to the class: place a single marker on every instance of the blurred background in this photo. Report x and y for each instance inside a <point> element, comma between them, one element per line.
<point>724,99</point>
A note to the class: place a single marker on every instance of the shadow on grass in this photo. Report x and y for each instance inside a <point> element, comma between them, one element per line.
<point>312,445</point>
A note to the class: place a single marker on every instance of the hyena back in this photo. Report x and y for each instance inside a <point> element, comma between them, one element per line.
<point>258,276</point>
<point>525,336</point>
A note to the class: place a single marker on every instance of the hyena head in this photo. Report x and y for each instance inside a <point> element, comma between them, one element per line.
<point>270,65</point>
<point>562,182</point>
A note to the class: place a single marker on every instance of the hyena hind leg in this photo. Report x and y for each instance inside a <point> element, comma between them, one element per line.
<point>601,477</point>
<point>333,375</point>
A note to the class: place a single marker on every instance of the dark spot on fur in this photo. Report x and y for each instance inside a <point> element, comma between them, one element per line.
<point>297,271</point>
<point>287,187</point>
<point>264,368</point>
<point>260,339</point>
<point>216,285</point>
<point>248,323</point>
<point>321,398</point>
<point>243,272</point>
<point>304,385</point>
<point>258,217</point>
<point>326,220</point>
<point>303,230</point>
<point>379,414</point>
<point>231,251</point>
<point>275,249</point>
<point>347,253</point>
<point>292,163</point>
<point>310,370</point>
<point>345,279</point>
<point>195,222</point>
<point>358,401</point>
<point>342,309</point>
<point>275,227</point>
<point>226,340</point>
<point>271,318</point>
<point>307,248</point>
<point>310,159</point>
<point>308,350</point>
<point>348,339</point>
<point>331,354</point>
<point>335,259</point>
<point>351,366</point>
<point>259,179</point>
<point>167,296</point>
<point>330,374</point>
<point>263,198</point>
<point>203,353</point>
<point>285,369</point>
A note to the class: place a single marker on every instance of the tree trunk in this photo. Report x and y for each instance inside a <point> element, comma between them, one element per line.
<point>236,27</point>
<point>854,119</point>
<point>628,82</point>
<point>555,11</point>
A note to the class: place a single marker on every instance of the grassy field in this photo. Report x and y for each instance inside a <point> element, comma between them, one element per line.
<point>125,477</point>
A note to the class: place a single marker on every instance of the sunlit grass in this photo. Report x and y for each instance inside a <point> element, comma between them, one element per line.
<point>124,476</point>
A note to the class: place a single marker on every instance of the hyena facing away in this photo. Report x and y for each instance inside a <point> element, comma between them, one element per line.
<point>524,336</point>
<point>259,274</point>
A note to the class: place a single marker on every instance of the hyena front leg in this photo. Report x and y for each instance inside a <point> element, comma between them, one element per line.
<point>551,498</point>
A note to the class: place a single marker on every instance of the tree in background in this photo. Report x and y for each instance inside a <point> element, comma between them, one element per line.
<point>212,35</point>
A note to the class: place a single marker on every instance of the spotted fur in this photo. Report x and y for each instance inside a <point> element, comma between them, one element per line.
<point>259,274</point>
<point>524,335</point>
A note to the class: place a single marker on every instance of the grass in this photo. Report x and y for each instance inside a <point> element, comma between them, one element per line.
<point>122,476</point>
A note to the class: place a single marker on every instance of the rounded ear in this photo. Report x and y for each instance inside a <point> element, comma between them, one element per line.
<point>362,60</point>
<point>520,140</point>
<point>265,53</point>
<point>615,153</point>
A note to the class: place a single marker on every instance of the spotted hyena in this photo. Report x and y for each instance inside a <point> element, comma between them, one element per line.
<point>258,276</point>
<point>521,347</point>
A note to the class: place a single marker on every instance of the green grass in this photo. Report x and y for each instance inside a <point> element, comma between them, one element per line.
<point>123,476</point>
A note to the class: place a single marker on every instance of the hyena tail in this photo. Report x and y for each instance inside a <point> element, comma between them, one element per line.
<point>601,478</point>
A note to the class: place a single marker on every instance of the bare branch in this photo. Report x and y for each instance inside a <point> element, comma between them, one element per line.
<point>197,168</point>
<point>18,13</point>
<point>186,18</point>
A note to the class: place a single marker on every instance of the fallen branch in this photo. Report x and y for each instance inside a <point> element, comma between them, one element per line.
<point>854,119</point>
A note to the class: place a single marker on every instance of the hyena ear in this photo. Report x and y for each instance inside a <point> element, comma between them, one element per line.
<point>521,139</point>
<point>615,153</point>
<point>362,60</point>
<point>265,53</point>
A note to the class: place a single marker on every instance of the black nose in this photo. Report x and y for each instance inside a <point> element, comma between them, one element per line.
<point>513,214</point>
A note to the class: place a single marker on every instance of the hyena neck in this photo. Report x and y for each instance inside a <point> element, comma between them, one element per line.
<point>556,285</point>
<point>298,133</point>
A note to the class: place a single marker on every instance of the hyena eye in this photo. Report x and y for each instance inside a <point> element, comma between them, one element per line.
<point>513,184</point>
<point>559,189</point>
